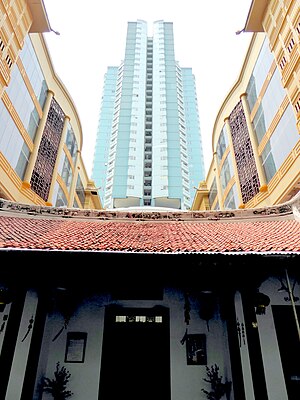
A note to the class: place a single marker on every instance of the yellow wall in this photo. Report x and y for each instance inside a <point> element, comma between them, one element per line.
<point>17,19</point>
<point>280,21</point>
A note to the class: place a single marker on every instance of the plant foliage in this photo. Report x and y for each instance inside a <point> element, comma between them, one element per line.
<point>218,388</point>
<point>58,385</point>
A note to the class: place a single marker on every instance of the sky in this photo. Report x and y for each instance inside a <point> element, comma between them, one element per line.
<point>92,36</point>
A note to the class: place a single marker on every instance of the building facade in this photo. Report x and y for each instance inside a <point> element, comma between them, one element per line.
<point>40,131</point>
<point>148,149</point>
<point>171,305</point>
<point>164,298</point>
<point>256,135</point>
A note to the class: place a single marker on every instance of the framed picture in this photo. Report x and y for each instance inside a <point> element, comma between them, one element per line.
<point>196,349</point>
<point>75,347</point>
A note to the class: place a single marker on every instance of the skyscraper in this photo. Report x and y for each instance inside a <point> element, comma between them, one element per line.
<point>148,149</point>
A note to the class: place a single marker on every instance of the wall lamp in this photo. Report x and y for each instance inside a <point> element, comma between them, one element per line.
<point>261,302</point>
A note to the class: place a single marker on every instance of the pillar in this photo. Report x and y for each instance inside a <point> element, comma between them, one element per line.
<point>219,186</point>
<point>74,180</point>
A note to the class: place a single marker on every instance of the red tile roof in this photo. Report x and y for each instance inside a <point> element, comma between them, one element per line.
<point>149,236</point>
<point>274,229</point>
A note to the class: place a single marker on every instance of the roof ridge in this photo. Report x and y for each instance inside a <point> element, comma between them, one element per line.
<point>292,208</point>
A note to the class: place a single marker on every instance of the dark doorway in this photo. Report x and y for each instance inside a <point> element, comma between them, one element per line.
<point>289,347</point>
<point>136,354</point>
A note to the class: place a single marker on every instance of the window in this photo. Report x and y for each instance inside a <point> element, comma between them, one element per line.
<point>222,143</point>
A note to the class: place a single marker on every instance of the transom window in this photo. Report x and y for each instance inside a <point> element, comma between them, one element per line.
<point>139,318</point>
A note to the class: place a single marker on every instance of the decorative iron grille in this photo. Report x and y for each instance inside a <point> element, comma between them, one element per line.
<point>47,154</point>
<point>247,172</point>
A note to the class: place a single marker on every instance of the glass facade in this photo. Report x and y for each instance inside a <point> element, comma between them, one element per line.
<point>222,144</point>
<point>106,138</point>
<point>59,197</point>
<point>270,103</point>
<point>226,172</point>
<point>259,74</point>
<point>213,192</point>
<point>80,190</point>
<point>34,71</point>
<point>23,103</point>
<point>231,201</point>
<point>37,165</point>
<point>194,168</point>
<point>71,143</point>
<point>67,173</point>
<point>12,143</point>
<point>11,140</point>
<point>281,143</point>
<point>285,134</point>
<point>65,168</point>
<point>148,147</point>
<point>23,161</point>
<point>266,93</point>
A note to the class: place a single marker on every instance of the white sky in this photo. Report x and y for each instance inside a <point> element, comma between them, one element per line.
<point>93,34</point>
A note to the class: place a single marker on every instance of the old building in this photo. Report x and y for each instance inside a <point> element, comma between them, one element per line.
<point>139,302</point>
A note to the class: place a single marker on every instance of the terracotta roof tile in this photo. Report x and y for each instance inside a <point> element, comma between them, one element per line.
<point>142,236</point>
<point>273,229</point>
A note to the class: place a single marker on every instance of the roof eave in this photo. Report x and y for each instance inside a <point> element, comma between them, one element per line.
<point>123,252</point>
<point>40,20</point>
<point>255,16</point>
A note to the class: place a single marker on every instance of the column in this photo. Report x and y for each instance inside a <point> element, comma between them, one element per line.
<point>74,180</point>
<point>236,174</point>
<point>37,141</point>
<point>253,139</point>
<point>58,158</point>
<point>219,187</point>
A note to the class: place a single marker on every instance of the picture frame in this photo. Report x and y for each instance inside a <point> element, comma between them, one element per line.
<point>75,347</point>
<point>196,349</point>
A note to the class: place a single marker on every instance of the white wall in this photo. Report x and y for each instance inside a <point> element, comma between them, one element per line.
<point>275,381</point>
<point>3,323</point>
<point>268,340</point>
<point>244,351</point>
<point>18,369</point>
<point>186,380</point>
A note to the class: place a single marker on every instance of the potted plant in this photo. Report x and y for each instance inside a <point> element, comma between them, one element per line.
<point>57,386</point>
<point>218,388</point>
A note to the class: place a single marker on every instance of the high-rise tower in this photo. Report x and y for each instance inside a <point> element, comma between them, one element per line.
<point>148,149</point>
